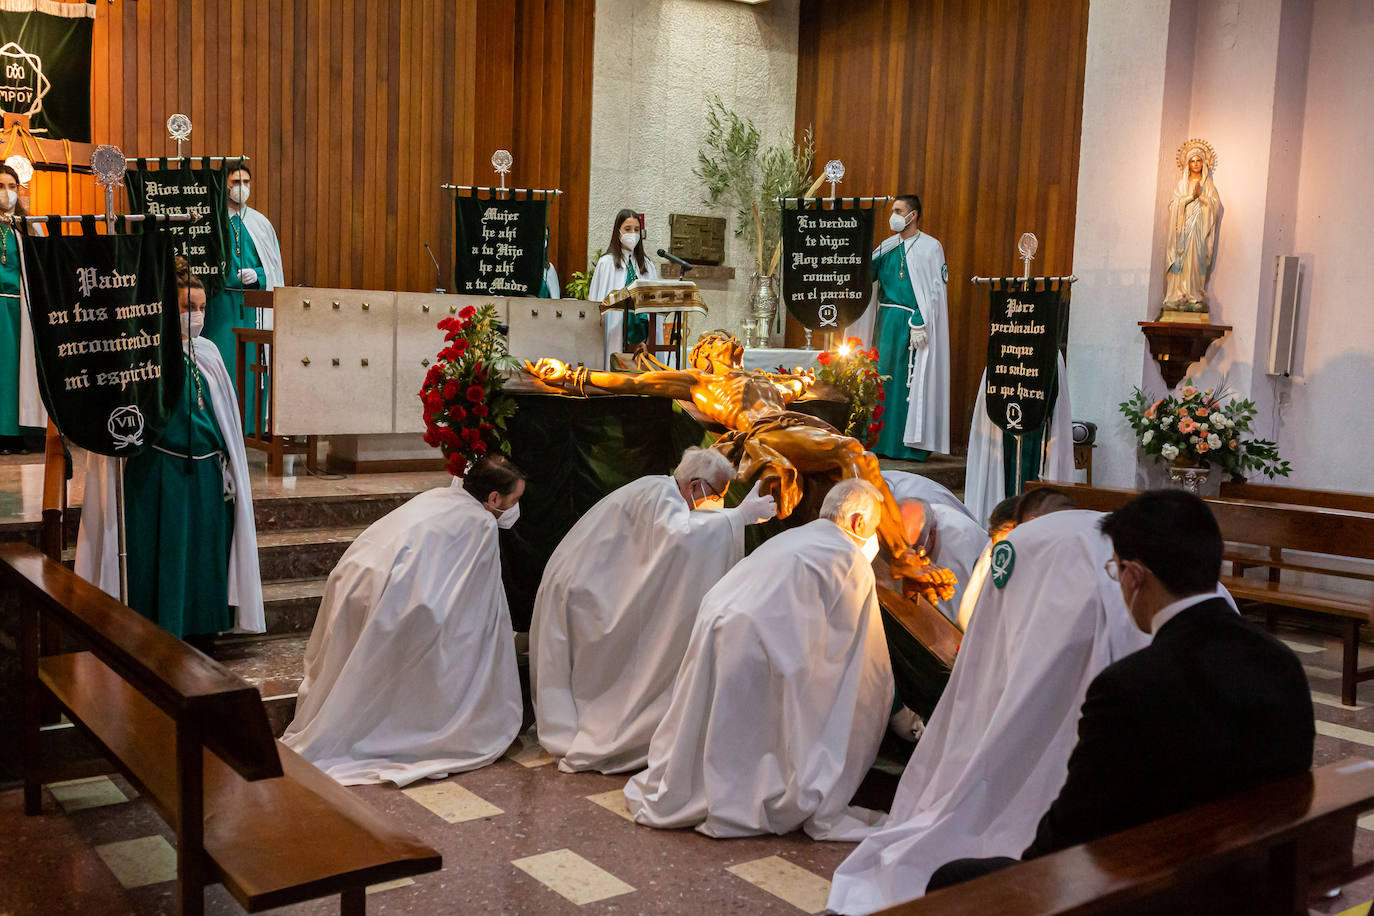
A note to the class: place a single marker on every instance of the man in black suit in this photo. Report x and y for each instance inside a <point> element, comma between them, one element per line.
<point>1213,706</point>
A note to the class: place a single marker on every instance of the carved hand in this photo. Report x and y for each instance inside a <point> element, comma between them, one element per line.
<point>549,370</point>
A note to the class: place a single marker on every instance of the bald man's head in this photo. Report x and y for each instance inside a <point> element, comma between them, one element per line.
<point>918,522</point>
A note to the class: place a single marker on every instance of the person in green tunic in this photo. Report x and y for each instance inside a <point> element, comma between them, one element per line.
<point>909,331</point>
<point>253,261</point>
<point>176,501</point>
<point>12,433</point>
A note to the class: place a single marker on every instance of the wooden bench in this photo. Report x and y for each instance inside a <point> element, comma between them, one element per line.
<point>1264,851</point>
<point>192,736</point>
<point>1267,526</point>
<point>1297,496</point>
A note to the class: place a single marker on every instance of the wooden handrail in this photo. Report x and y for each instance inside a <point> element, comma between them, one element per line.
<point>1132,866</point>
<point>1306,528</point>
<point>184,683</point>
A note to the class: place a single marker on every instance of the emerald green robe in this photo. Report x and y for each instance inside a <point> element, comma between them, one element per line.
<point>898,311</point>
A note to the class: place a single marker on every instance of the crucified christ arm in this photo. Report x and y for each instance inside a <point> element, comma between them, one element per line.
<point>667,384</point>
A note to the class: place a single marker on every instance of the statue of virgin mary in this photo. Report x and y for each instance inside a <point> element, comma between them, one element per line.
<point>1191,246</point>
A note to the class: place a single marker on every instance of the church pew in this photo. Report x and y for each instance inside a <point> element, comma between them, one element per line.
<point>193,737</point>
<point>1267,526</point>
<point>1264,851</point>
<point>1298,496</point>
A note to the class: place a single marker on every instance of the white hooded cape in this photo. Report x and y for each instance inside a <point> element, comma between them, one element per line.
<point>927,424</point>
<point>97,540</point>
<point>995,752</point>
<point>612,618</point>
<point>410,669</point>
<point>914,486</point>
<point>31,410</point>
<point>269,251</point>
<point>984,476</point>
<point>781,701</point>
<point>606,279</point>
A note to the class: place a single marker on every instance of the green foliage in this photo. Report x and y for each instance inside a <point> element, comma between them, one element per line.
<point>854,371</point>
<point>580,283</point>
<point>739,173</point>
<point>1196,428</point>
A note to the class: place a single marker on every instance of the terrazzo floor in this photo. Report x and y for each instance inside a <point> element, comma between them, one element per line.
<point>521,837</point>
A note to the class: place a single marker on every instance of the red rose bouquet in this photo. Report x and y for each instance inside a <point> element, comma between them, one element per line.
<point>854,371</point>
<point>464,408</point>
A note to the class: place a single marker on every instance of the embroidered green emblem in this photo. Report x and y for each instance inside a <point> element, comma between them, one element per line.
<point>944,272</point>
<point>1003,561</point>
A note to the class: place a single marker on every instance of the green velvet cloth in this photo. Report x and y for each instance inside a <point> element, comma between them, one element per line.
<point>180,525</point>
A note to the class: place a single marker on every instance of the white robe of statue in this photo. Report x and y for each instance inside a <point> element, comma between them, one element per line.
<point>269,252</point>
<point>995,751</point>
<point>97,540</point>
<point>410,669</point>
<point>781,701</point>
<point>606,279</point>
<point>612,618</point>
<point>984,476</point>
<point>927,422</point>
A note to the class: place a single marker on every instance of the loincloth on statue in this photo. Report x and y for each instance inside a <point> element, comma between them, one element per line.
<point>733,443</point>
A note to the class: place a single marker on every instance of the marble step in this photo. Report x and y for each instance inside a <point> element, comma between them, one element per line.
<point>291,605</point>
<point>294,513</point>
<point>302,553</point>
<point>273,664</point>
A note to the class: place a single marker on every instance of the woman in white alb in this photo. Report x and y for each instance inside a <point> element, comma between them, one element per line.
<point>624,263</point>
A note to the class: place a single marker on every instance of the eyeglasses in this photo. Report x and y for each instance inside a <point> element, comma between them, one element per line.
<point>1112,569</point>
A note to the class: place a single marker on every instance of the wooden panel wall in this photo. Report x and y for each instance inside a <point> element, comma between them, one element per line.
<point>354,112</point>
<point>976,107</point>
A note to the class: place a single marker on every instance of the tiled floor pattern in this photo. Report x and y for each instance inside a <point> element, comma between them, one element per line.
<point>521,837</point>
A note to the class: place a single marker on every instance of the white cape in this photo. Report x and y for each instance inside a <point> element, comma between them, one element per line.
<point>995,752</point>
<point>961,539</point>
<point>914,486</point>
<point>97,540</point>
<point>269,251</point>
<point>927,422</point>
<point>781,701</point>
<point>606,279</point>
<point>984,481</point>
<point>410,670</point>
<point>31,410</point>
<point>612,618</point>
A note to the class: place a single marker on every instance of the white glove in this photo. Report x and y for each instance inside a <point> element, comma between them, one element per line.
<point>919,337</point>
<point>755,508</point>
<point>247,276</point>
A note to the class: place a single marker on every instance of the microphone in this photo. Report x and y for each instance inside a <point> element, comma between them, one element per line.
<point>438,276</point>
<point>685,265</point>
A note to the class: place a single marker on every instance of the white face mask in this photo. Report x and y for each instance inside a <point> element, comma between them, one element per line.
<point>239,194</point>
<point>508,517</point>
<point>629,240</point>
<point>8,198</point>
<point>869,548</point>
<point>705,500</point>
<point>192,323</point>
<point>896,222</point>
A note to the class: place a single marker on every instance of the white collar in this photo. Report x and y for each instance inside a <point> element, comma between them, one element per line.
<point>1170,611</point>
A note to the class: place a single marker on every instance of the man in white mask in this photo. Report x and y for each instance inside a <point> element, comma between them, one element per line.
<point>1048,619</point>
<point>410,670</point>
<point>616,606</point>
<point>785,690</point>
<point>908,321</point>
<point>253,261</point>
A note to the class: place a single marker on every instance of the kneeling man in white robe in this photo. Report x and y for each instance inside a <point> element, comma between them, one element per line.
<point>785,690</point>
<point>616,606</point>
<point>994,753</point>
<point>410,670</point>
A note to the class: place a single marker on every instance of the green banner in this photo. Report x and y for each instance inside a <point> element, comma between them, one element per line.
<point>106,334</point>
<point>45,66</point>
<point>198,191</point>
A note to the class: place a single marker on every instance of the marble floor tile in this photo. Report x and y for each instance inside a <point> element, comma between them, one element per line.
<point>614,802</point>
<point>389,885</point>
<point>146,860</point>
<point>806,891</point>
<point>80,794</point>
<point>1305,648</point>
<point>572,877</point>
<point>1345,733</point>
<point>528,752</point>
<point>452,802</point>
<point>1366,822</point>
<point>1330,699</point>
